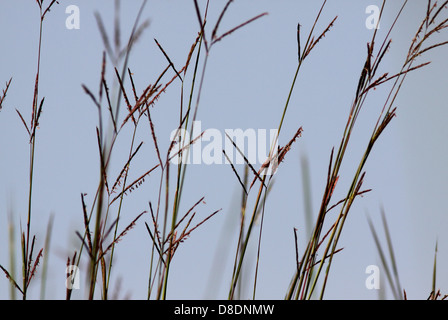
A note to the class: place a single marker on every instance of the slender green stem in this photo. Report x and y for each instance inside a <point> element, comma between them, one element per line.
<point>97,235</point>
<point>259,239</point>
<point>180,182</point>
<point>242,251</point>
<point>106,287</point>
<point>289,98</point>
<point>26,271</point>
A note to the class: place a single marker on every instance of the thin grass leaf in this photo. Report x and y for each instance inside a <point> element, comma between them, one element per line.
<point>310,35</point>
<point>29,259</point>
<point>391,254</point>
<point>156,228</point>
<point>386,120</point>
<point>102,78</point>
<point>239,27</point>
<point>328,256</point>
<point>102,162</point>
<point>168,59</point>
<point>403,73</point>
<point>46,256</point>
<point>154,138</point>
<point>117,33</point>
<point>123,91</point>
<point>345,199</point>
<point>109,106</point>
<point>132,84</point>
<point>257,176</point>
<point>377,62</point>
<point>234,171</point>
<point>24,257</point>
<point>104,36</point>
<point>438,11</point>
<point>201,23</point>
<point>3,96</point>
<point>23,121</point>
<point>215,29</point>
<point>84,244</point>
<point>91,95</point>
<point>296,243</point>
<point>48,8</point>
<point>86,224</point>
<point>382,258</point>
<point>121,235</point>
<point>433,47</point>
<point>155,243</point>
<point>298,42</point>
<point>36,263</point>
<point>36,121</point>
<point>35,96</point>
<point>331,185</point>
<point>8,276</point>
<point>12,250</point>
<point>434,271</point>
<point>363,79</point>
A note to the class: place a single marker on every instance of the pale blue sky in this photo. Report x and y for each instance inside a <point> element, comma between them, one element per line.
<point>246,84</point>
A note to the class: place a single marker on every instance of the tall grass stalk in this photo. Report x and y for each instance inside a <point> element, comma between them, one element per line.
<point>302,286</point>
<point>28,241</point>
<point>275,155</point>
<point>106,142</point>
<point>207,44</point>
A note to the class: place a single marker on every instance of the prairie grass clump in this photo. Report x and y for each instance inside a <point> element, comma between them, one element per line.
<point>126,112</point>
<point>309,270</point>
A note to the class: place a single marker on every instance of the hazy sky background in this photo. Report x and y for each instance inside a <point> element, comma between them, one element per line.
<point>247,80</point>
